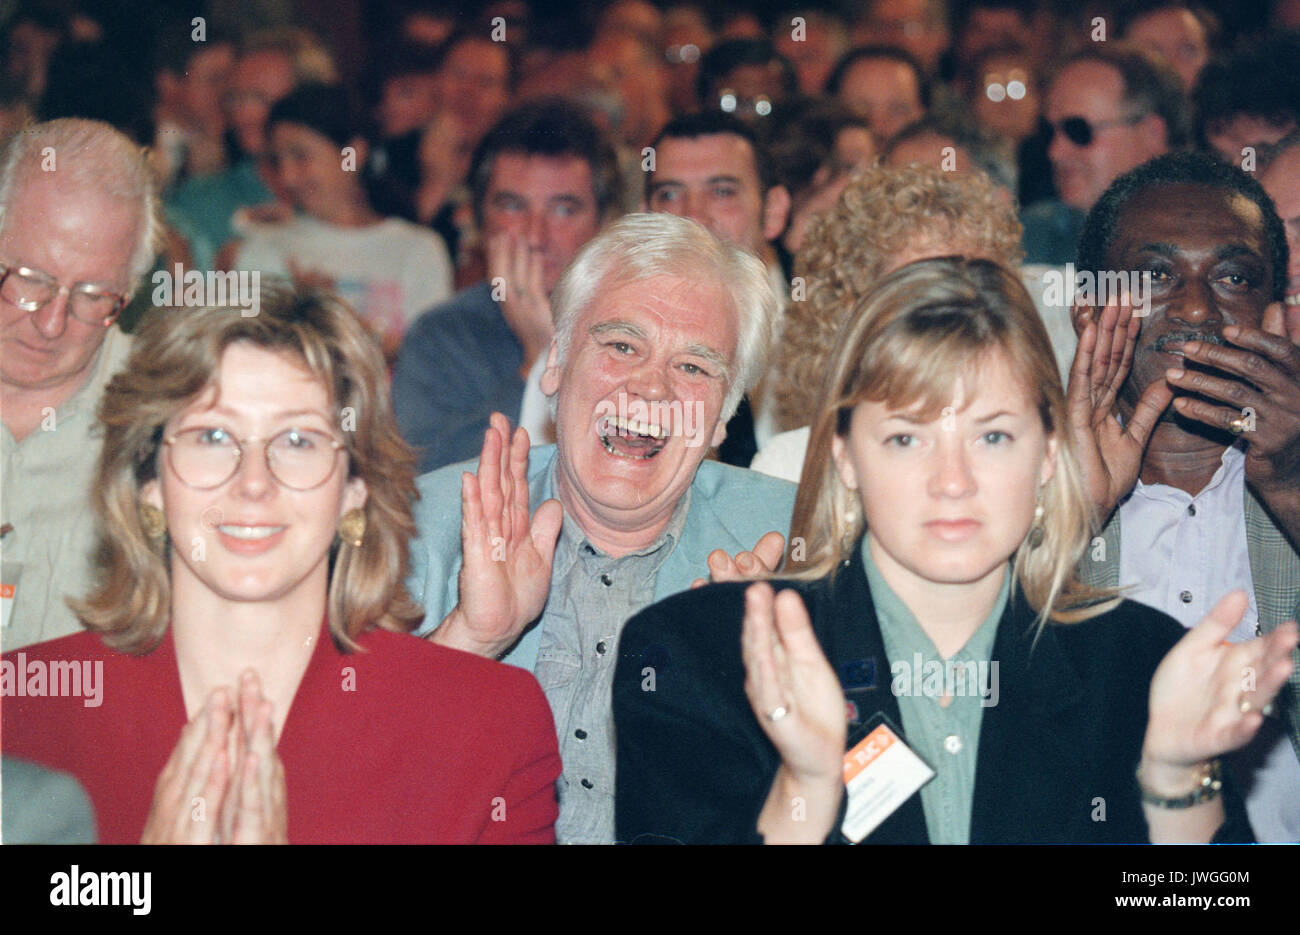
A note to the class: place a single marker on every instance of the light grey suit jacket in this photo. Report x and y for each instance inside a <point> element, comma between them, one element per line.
<point>1274,567</point>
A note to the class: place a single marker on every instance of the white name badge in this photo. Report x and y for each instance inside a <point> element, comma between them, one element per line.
<point>880,773</point>
<point>9,573</point>
<point>7,592</point>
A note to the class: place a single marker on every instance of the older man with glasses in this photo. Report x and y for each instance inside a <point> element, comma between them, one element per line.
<point>78,230</point>
<point>1109,109</point>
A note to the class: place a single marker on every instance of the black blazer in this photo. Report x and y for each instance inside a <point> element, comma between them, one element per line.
<point>1057,753</point>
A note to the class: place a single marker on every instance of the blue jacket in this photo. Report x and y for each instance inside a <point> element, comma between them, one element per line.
<point>731,508</point>
<point>459,363</point>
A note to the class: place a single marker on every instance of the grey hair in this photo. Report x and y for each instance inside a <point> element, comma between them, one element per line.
<point>647,246</point>
<point>88,154</point>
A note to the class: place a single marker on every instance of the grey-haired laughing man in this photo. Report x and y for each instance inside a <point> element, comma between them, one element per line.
<point>1191,451</point>
<point>540,557</point>
<point>78,231</point>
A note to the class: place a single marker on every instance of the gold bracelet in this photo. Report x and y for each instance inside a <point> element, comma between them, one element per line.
<point>1209,782</point>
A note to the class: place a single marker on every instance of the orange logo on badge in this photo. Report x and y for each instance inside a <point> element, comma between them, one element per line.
<point>866,751</point>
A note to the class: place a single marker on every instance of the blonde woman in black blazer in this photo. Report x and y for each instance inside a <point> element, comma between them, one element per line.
<point>940,505</point>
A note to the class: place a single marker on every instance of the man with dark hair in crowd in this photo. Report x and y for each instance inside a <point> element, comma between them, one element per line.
<point>1111,108</point>
<point>544,181</point>
<point>1189,451</point>
<point>1249,98</point>
<point>713,168</point>
<point>883,84</point>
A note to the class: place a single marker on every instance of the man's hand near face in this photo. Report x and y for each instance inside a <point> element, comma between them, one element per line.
<point>1258,378</point>
<point>524,302</point>
<point>1109,453</point>
<point>506,573</point>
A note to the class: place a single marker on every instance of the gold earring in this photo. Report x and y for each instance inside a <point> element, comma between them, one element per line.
<point>1036,527</point>
<point>352,527</point>
<point>152,521</point>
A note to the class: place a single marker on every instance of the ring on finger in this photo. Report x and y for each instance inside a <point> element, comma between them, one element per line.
<point>777,713</point>
<point>1237,426</point>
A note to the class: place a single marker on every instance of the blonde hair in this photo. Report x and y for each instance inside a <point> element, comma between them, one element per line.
<point>908,342</point>
<point>882,212</point>
<point>176,357</point>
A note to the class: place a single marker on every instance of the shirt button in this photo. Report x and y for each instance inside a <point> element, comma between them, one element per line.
<point>1185,597</point>
<point>586,784</point>
<point>952,743</point>
<point>600,648</point>
<point>606,580</point>
<point>580,734</point>
<point>589,550</point>
<point>1191,509</point>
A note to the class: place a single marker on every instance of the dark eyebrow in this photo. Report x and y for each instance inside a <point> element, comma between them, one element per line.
<point>1162,248</point>
<point>1222,252</point>
<point>1233,251</point>
<point>732,179</point>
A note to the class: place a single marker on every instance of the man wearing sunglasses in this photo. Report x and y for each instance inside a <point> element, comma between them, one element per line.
<point>78,230</point>
<point>1109,109</point>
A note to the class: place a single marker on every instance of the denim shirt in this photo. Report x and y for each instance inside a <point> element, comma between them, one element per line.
<point>725,508</point>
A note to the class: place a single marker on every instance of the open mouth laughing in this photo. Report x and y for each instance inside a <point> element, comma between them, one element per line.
<point>631,438</point>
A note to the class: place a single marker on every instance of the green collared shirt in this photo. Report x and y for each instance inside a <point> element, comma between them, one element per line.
<point>946,738</point>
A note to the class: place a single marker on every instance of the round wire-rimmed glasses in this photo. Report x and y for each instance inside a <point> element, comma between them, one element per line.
<point>205,457</point>
<point>31,290</point>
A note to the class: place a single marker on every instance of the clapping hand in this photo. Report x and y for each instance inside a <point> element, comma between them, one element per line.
<point>254,810</point>
<point>762,560</point>
<point>201,799</point>
<point>1110,454</point>
<point>1208,696</point>
<point>797,699</point>
<point>505,575</point>
<point>191,787</point>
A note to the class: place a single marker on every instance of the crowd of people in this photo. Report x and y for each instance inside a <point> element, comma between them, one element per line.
<point>650,422</point>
